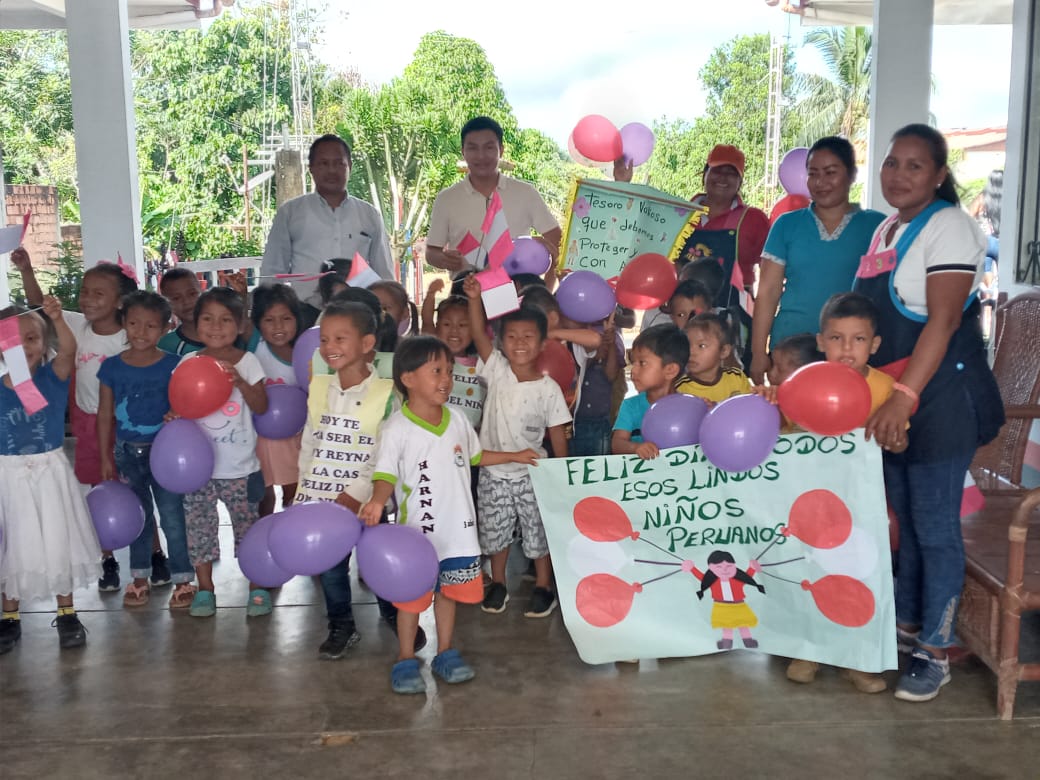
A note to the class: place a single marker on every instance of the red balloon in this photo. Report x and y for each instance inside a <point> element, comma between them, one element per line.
<point>596,137</point>
<point>556,362</point>
<point>843,600</point>
<point>605,600</point>
<point>786,204</point>
<point>647,281</point>
<point>820,519</point>
<point>826,398</point>
<point>198,387</point>
<point>601,520</point>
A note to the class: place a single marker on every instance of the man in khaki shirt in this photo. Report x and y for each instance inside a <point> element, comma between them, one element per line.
<point>461,208</point>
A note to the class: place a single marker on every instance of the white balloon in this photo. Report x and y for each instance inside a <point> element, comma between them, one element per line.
<point>857,557</point>
<point>588,557</point>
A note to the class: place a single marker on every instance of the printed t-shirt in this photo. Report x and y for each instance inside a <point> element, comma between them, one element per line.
<point>517,414</point>
<point>469,389</point>
<point>140,393</point>
<point>340,435</point>
<point>429,467</point>
<point>230,428</point>
<point>276,370</point>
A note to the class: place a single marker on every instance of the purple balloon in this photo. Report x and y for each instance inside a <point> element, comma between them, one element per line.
<point>585,296</point>
<point>529,256</point>
<point>302,352</point>
<point>637,142</point>
<point>182,457</point>
<point>397,562</point>
<point>674,421</point>
<point>312,537</point>
<point>286,412</point>
<point>117,514</point>
<point>793,173</point>
<point>740,432</point>
<point>254,556</point>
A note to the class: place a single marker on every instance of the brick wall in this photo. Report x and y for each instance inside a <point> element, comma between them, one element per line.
<point>44,228</point>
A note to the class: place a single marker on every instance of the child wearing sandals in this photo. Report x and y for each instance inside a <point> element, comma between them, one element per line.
<point>49,546</point>
<point>133,400</point>
<point>429,444</point>
<point>237,482</point>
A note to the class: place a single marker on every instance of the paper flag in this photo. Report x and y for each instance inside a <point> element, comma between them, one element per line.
<point>18,367</point>
<point>361,273</point>
<point>469,248</point>
<point>498,292</point>
<point>10,238</point>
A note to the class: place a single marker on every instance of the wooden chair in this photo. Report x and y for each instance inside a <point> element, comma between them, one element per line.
<point>997,467</point>
<point>1002,573</point>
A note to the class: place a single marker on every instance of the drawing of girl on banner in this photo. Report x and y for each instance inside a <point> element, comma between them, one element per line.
<point>726,583</point>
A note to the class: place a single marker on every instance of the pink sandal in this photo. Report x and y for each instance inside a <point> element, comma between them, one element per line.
<point>136,595</point>
<point>182,595</point>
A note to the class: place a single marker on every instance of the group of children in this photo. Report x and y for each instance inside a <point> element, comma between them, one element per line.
<point>422,408</point>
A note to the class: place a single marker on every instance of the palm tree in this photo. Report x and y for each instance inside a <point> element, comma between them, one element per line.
<point>840,102</point>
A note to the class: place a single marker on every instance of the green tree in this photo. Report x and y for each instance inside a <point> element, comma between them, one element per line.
<point>736,82</point>
<point>838,103</point>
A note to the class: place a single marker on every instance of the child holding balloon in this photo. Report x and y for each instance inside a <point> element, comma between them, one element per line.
<point>132,402</point>
<point>424,453</point>
<point>659,355</point>
<point>49,545</point>
<point>237,480</point>
<point>344,412</point>
<point>99,334</point>
<point>277,319</point>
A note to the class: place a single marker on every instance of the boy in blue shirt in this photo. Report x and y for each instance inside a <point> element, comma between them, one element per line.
<point>659,357</point>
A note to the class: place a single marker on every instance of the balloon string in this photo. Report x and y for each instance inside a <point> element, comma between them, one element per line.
<point>658,563</point>
<point>781,563</point>
<point>770,547</point>
<point>793,582</point>
<point>666,552</point>
<point>663,576</point>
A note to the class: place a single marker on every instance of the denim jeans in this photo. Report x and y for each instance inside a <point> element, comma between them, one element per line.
<point>591,437</point>
<point>132,463</point>
<point>926,498</point>
<point>335,584</point>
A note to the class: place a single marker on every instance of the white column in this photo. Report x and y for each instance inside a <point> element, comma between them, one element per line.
<point>900,79</point>
<point>103,119</point>
<point>5,292</point>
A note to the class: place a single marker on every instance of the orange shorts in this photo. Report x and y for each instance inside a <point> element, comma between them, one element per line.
<point>470,591</point>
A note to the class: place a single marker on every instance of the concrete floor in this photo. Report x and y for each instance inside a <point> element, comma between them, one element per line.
<point>159,694</point>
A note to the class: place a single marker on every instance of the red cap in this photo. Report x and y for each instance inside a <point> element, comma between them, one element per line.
<point>724,154</point>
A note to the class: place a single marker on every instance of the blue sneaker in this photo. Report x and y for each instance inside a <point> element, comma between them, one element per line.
<point>203,605</point>
<point>406,678</point>
<point>259,603</point>
<point>924,677</point>
<point>450,667</point>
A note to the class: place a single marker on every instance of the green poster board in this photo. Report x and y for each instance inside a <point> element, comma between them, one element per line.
<point>609,223</point>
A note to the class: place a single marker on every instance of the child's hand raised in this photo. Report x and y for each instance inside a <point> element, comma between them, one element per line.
<point>20,260</point>
<point>647,450</point>
<point>51,307</point>
<point>237,282</point>
<point>371,513</point>
<point>471,287</point>
<point>436,286</point>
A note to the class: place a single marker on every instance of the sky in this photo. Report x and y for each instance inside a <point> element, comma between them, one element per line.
<point>559,60</point>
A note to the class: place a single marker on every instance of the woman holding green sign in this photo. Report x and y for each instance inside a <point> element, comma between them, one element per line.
<point>811,253</point>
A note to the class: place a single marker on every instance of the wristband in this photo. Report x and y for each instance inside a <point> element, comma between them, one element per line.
<point>899,386</point>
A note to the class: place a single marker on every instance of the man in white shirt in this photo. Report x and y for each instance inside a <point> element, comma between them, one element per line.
<point>325,224</point>
<point>460,209</point>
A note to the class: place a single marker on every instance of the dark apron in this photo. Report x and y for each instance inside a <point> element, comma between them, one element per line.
<point>960,407</point>
<point>724,246</point>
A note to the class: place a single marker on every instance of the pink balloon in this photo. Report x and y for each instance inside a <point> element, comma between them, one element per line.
<point>577,156</point>
<point>793,174</point>
<point>596,137</point>
<point>637,142</point>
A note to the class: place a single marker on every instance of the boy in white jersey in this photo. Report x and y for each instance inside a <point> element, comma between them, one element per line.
<point>425,452</point>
